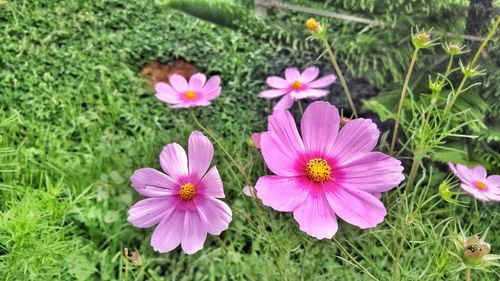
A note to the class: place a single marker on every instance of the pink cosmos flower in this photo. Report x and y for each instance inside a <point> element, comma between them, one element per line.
<point>181,94</point>
<point>476,182</point>
<point>297,86</point>
<point>182,200</point>
<point>325,173</point>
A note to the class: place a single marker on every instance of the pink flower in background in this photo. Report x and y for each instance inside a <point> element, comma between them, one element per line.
<point>325,173</point>
<point>181,94</point>
<point>297,86</point>
<point>256,139</point>
<point>182,200</point>
<point>476,182</point>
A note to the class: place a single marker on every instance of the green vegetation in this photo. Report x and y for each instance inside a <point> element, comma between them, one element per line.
<point>77,119</point>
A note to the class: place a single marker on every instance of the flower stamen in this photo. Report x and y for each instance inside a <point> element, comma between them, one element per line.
<point>480,185</point>
<point>187,191</point>
<point>318,170</point>
<point>296,85</point>
<point>190,95</point>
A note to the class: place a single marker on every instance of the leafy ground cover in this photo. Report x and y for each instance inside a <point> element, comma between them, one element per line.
<point>77,118</point>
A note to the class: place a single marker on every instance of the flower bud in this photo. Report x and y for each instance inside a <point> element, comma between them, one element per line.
<point>312,24</point>
<point>422,40</point>
<point>475,250</point>
<point>454,49</point>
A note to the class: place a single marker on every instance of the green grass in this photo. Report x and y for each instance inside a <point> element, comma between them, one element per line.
<point>77,120</point>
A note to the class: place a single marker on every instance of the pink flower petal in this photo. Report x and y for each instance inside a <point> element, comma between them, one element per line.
<point>166,93</point>
<point>322,82</point>
<point>149,211</point>
<point>212,94</point>
<point>256,139</point>
<point>173,161</point>
<point>277,82</point>
<point>246,191</point>
<point>355,207</point>
<point>493,181</point>
<point>465,174</point>
<point>313,93</point>
<point>215,215</point>
<point>309,74</point>
<point>285,103</point>
<point>212,84</point>
<point>269,94</point>
<point>316,218</point>
<point>370,172</point>
<point>179,83</point>
<point>196,82</point>
<point>283,194</point>
<point>479,173</point>
<point>168,233</point>
<point>319,127</point>
<point>278,157</point>
<point>194,233</point>
<point>211,184</point>
<point>283,125</point>
<point>359,135</point>
<point>292,74</point>
<point>152,183</point>
<point>200,151</point>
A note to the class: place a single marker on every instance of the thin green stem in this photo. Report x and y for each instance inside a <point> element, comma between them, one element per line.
<point>401,100</point>
<point>353,259</point>
<point>467,274</point>
<point>300,107</point>
<point>450,63</point>
<point>417,159</point>
<point>341,76</point>
<point>399,252</point>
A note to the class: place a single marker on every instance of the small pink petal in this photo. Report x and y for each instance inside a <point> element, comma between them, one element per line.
<point>194,233</point>
<point>212,84</point>
<point>313,93</point>
<point>269,94</point>
<point>322,82</point>
<point>356,207</point>
<point>283,124</point>
<point>201,152</point>
<point>309,74</point>
<point>472,190</point>
<point>256,137</point>
<point>179,83</point>
<point>246,191</point>
<point>277,82</point>
<point>149,211</point>
<point>357,136</point>
<point>493,181</point>
<point>211,184</point>
<point>196,82</point>
<point>479,173</point>
<point>283,194</point>
<point>285,103</point>
<point>167,235</point>
<point>212,94</point>
<point>278,157</point>
<point>173,161</point>
<point>292,74</point>
<point>215,215</point>
<point>319,137</point>
<point>316,218</point>
<point>152,183</point>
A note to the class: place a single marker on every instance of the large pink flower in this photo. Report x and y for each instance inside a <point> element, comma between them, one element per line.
<point>476,182</point>
<point>182,201</point>
<point>297,86</point>
<point>325,173</point>
<point>181,94</point>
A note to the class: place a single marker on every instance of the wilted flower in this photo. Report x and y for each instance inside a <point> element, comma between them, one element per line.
<point>182,201</point>
<point>476,182</point>
<point>474,250</point>
<point>326,172</point>
<point>422,39</point>
<point>297,86</point>
<point>181,94</point>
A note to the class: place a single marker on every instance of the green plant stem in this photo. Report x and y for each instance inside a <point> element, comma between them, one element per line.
<point>300,107</point>
<point>417,159</point>
<point>238,165</point>
<point>401,100</point>
<point>353,259</point>
<point>341,76</point>
<point>450,63</point>
<point>467,274</point>
<point>399,252</point>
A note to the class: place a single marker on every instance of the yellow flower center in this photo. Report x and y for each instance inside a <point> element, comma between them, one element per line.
<point>423,37</point>
<point>296,85</point>
<point>190,95</point>
<point>312,24</point>
<point>318,170</point>
<point>187,191</point>
<point>480,185</point>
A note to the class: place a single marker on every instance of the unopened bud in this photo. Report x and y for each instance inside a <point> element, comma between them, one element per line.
<point>312,24</point>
